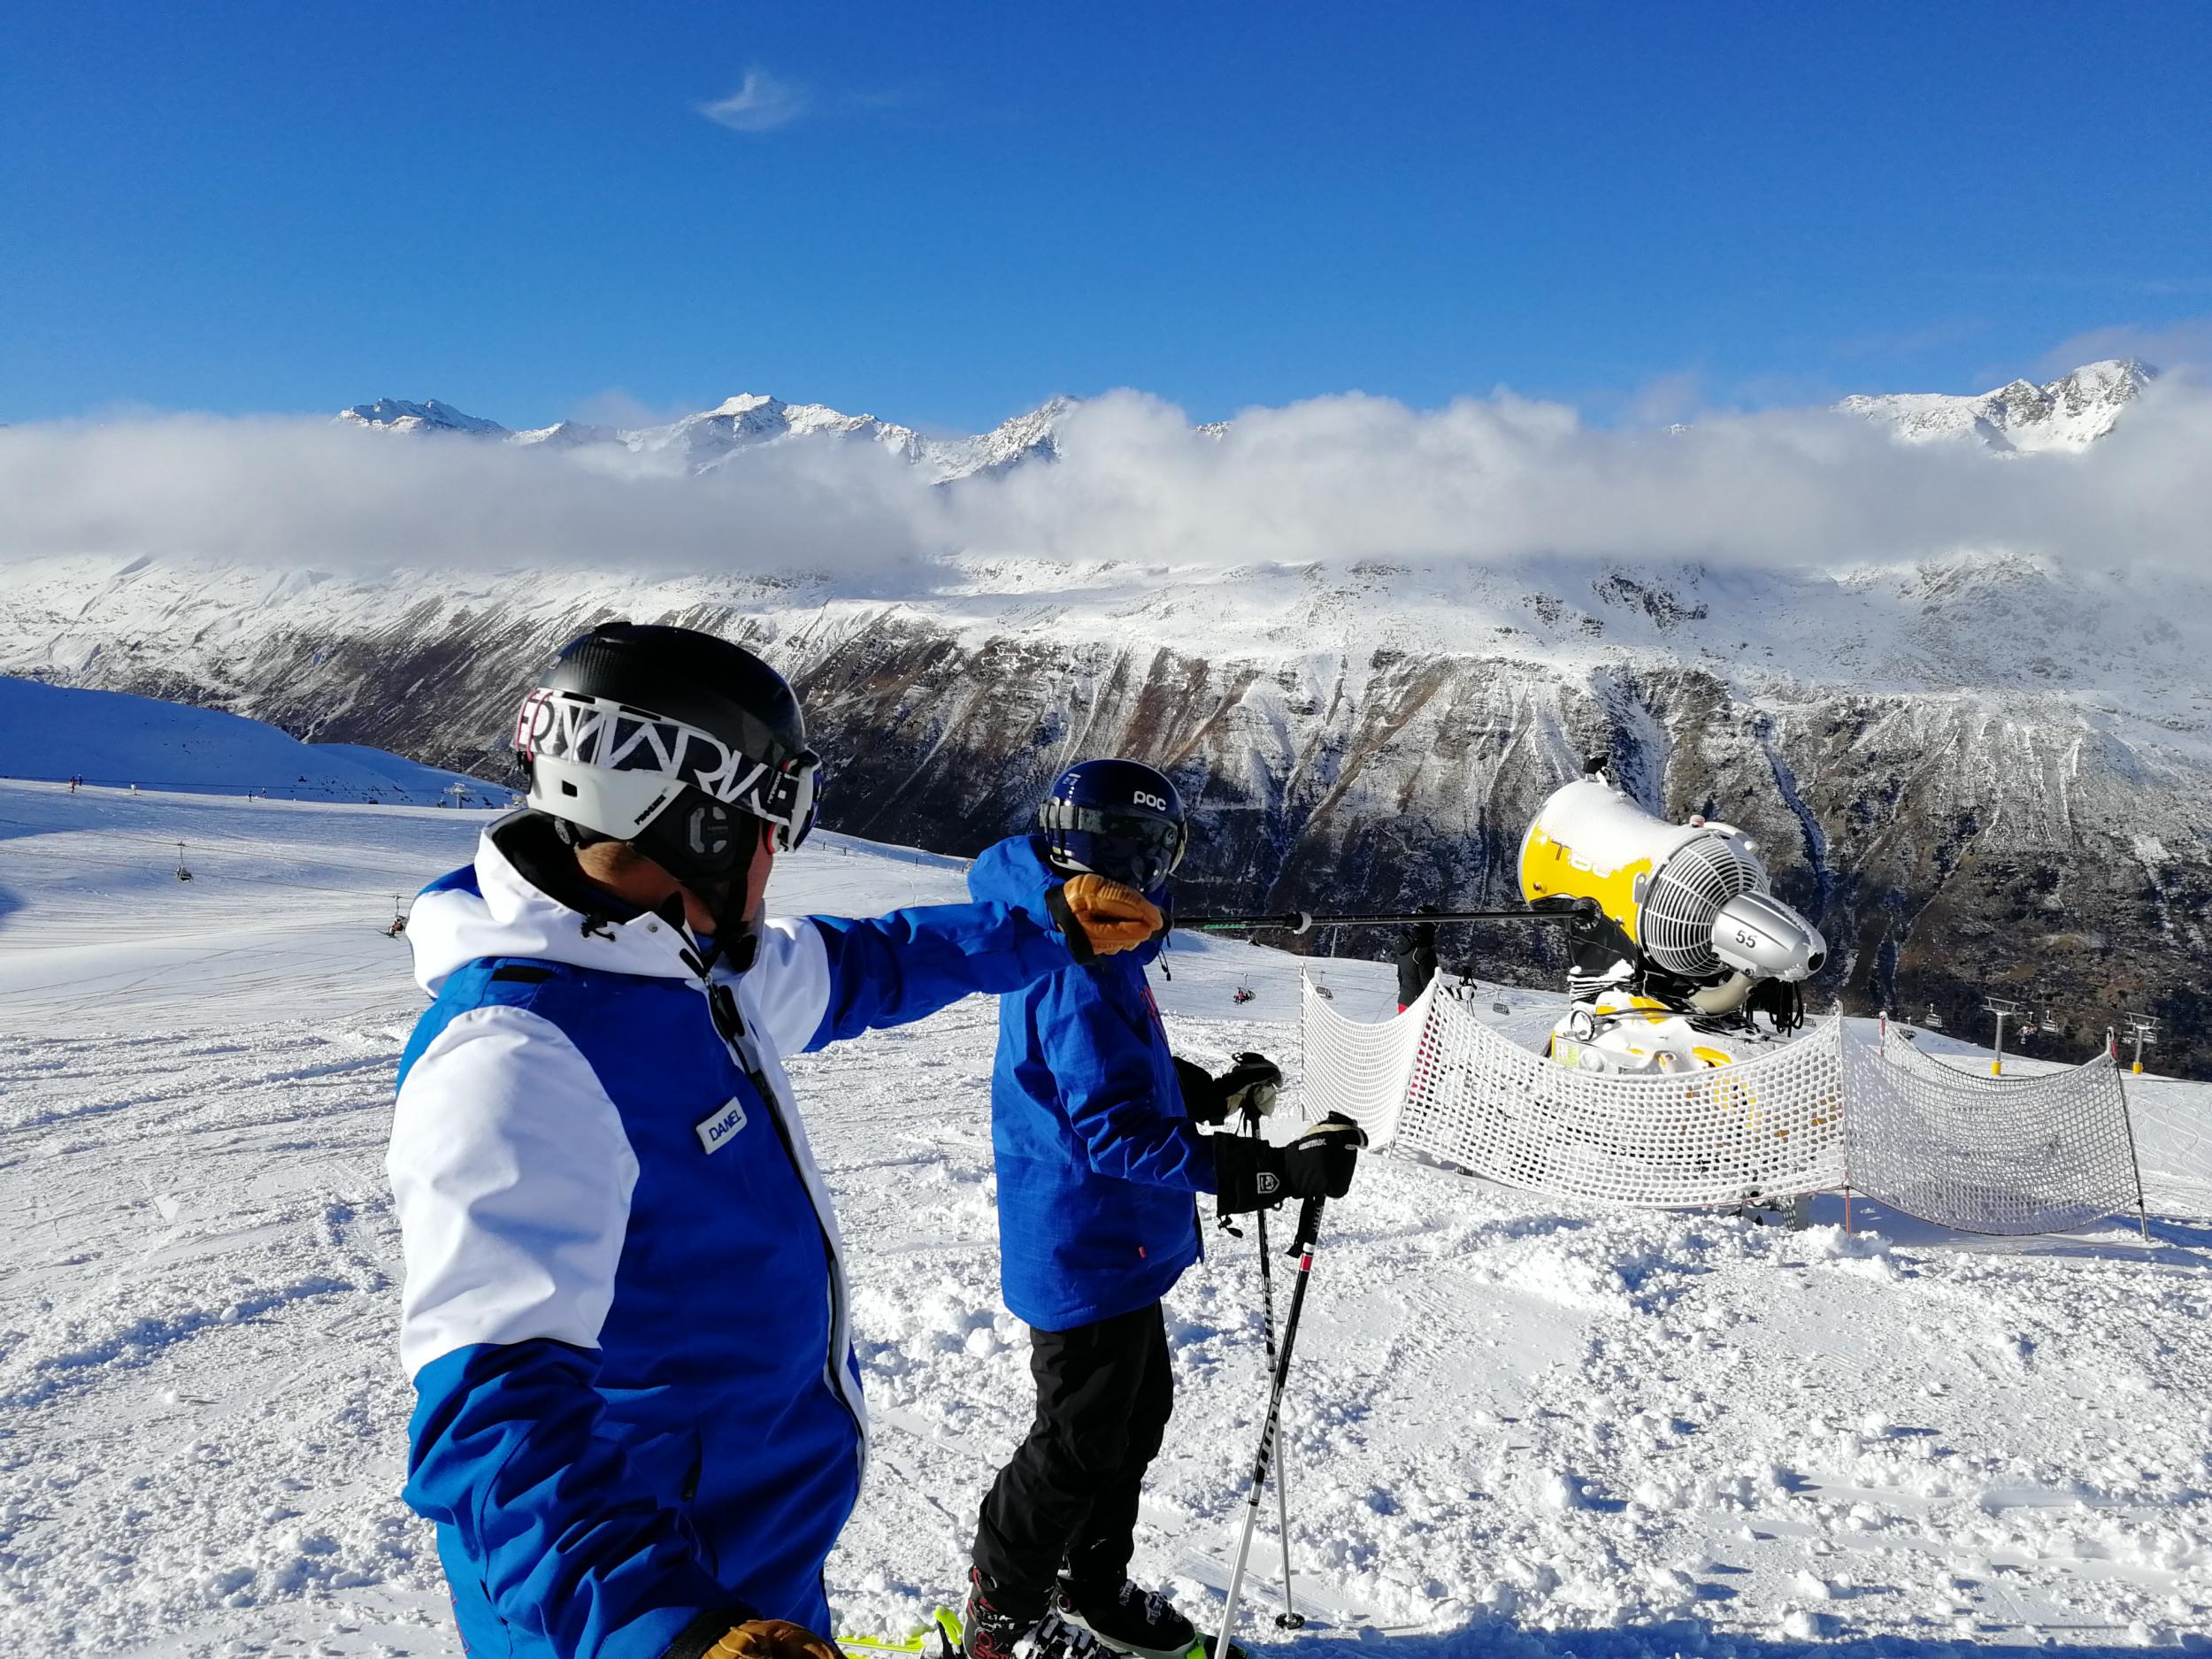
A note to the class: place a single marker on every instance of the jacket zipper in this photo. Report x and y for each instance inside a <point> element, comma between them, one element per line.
<point>730,1023</point>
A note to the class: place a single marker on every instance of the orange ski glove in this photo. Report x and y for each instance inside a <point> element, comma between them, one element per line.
<point>1100,916</point>
<point>772,1639</point>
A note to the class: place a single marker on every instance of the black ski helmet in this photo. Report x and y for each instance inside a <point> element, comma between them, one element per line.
<point>670,739</point>
<point>1118,819</point>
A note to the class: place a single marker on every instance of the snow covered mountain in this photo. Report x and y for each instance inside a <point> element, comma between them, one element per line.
<point>2022,417</point>
<point>1972,771</point>
<point>2068,413</point>
<point>1972,767</point>
<point>395,414</point>
<point>702,441</point>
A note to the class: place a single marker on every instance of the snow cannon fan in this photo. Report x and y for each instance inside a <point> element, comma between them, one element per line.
<point>1688,899</point>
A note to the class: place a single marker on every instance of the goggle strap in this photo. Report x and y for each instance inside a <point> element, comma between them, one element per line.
<point>601,732</point>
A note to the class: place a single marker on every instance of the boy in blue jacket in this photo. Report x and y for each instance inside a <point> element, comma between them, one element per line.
<point>1095,1127</point>
<point>638,1423</point>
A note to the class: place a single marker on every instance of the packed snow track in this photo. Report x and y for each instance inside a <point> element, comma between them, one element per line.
<point>1510,1428</point>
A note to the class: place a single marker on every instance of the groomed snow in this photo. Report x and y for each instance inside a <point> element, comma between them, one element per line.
<point>113,737</point>
<point>1512,1429</point>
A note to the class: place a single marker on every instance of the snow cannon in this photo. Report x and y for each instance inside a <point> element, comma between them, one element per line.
<point>1689,899</point>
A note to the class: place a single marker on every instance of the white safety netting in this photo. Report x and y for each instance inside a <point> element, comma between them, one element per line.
<point>1447,1087</point>
<point>2003,1155</point>
<point>1357,1067</point>
<point>2046,1154</point>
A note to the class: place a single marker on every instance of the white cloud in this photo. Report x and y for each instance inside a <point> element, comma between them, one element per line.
<point>1500,479</point>
<point>761,104</point>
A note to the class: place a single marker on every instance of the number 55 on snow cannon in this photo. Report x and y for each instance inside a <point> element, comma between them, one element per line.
<point>1677,943</point>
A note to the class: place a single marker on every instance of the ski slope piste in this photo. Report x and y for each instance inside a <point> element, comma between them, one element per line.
<point>1517,1424</point>
<point>1660,1086</point>
<point>113,738</point>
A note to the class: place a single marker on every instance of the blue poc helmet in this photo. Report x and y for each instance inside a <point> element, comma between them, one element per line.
<point>1117,819</point>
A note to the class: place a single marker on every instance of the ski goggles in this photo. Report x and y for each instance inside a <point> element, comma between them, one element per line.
<point>1156,842</point>
<point>588,731</point>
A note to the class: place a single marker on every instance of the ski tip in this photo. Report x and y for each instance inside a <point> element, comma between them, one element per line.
<point>866,1646</point>
<point>944,1622</point>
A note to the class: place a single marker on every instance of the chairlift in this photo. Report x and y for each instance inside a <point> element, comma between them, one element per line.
<point>183,872</point>
<point>399,918</point>
<point>1934,1022</point>
<point>1502,1008</point>
<point>1242,994</point>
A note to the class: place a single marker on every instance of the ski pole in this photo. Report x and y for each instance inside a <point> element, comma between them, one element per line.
<point>1290,1618</point>
<point>1309,1225</point>
<point>1305,921</point>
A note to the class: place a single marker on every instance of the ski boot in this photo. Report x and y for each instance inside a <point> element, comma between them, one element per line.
<point>1128,1619</point>
<point>1795,1212</point>
<point>987,1631</point>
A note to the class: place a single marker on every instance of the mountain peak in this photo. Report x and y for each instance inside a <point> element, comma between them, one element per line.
<point>396,414</point>
<point>745,404</point>
<point>2072,412</point>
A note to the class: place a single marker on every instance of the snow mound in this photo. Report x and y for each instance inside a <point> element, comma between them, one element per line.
<point>113,740</point>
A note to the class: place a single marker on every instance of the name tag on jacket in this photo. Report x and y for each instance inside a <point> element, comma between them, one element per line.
<point>719,1128</point>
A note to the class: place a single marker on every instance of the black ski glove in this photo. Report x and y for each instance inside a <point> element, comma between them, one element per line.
<point>1251,1174</point>
<point>1201,1095</point>
<point>1253,1082</point>
<point>1250,1085</point>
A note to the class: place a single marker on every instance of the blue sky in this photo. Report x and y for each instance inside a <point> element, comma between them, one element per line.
<point>944,214</point>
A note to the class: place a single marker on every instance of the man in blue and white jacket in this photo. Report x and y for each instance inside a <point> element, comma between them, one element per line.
<point>639,1425</point>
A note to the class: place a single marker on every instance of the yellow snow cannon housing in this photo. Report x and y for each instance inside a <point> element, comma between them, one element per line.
<point>1692,898</point>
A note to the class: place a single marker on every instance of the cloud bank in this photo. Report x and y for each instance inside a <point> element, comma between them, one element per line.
<point>1340,477</point>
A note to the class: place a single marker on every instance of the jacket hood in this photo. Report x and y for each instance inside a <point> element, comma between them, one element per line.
<point>1013,872</point>
<point>491,908</point>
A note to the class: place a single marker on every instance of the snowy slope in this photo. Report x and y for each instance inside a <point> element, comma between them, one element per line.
<point>1512,1429</point>
<point>112,739</point>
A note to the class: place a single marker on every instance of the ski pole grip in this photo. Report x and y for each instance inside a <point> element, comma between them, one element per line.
<point>1309,1226</point>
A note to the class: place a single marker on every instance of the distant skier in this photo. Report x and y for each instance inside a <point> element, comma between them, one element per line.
<point>637,1424</point>
<point>1416,957</point>
<point>1100,1164</point>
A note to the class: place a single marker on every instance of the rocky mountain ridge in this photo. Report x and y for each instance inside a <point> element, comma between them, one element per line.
<point>2068,413</point>
<point>1977,772</point>
<point>2020,417</point>
<point>710,438</point>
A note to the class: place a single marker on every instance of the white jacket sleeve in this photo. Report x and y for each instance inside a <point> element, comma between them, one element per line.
<point>788,987</point>
<point>512,1178</point>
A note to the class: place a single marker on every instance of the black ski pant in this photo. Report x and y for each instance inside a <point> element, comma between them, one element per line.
<point>1069,1497</point>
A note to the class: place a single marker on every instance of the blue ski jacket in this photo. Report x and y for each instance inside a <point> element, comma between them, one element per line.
<point>638,1415</point>
<point>1099,1165</point>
